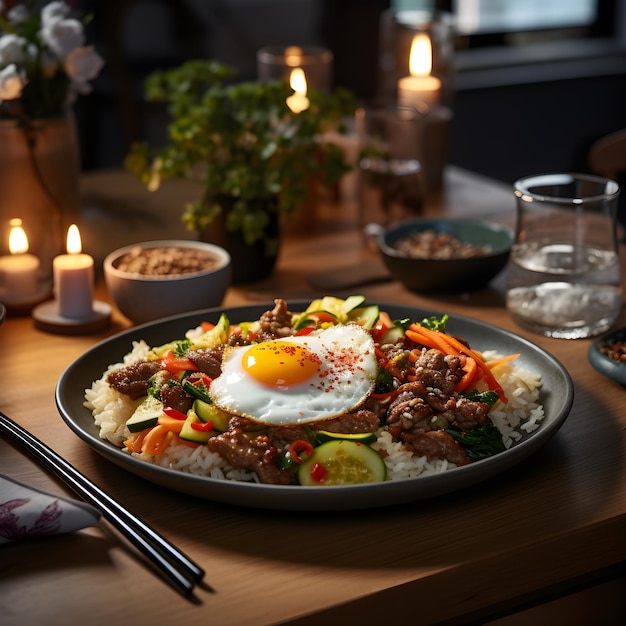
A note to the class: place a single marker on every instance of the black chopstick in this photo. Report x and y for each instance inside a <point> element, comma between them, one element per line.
<point>180,570</point>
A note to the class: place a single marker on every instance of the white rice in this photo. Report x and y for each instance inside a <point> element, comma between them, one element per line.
<point>521,415</point>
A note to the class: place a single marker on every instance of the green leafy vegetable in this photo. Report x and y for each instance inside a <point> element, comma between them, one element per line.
<point>403,323</point>
<point>384,381</point>
<point>433,323</point>
<point>182,347</point>
<point>480,443</point>
<point>488,397</point>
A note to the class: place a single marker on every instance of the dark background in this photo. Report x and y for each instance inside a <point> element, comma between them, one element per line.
<point>519,109</point>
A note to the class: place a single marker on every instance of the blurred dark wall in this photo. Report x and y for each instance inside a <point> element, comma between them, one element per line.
<point>502,131</point>
<point>511,131</point>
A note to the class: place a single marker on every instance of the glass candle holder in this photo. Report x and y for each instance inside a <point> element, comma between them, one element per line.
<point>427,38</point>
<point>278,62</point>
<point>416,67</point>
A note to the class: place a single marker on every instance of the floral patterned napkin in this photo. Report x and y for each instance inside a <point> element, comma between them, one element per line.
<point>26,512</point>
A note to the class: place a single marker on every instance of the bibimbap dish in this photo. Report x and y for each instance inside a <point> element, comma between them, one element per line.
<point>336,394</point>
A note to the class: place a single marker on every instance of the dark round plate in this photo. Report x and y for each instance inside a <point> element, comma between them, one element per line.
<point>605,364</point>
<point>557,396</point>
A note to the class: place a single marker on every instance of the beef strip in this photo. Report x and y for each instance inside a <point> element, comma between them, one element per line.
<point>175,397</point>
<point>209,361</point>
<point>256,454</point>
<point>134,380</point>
<point>359,421</point>
<point>436,444</point>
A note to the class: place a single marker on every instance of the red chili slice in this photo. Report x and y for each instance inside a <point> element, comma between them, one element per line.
<point>174,413</point>
<point>203,427</point>
<point>300,450</point>
<point>305,331</point>
<point>319,473</point>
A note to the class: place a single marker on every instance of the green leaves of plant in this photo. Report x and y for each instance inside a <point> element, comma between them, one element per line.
<point>240,140</point>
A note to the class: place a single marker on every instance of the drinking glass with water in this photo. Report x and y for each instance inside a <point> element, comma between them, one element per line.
<point>564,271</point>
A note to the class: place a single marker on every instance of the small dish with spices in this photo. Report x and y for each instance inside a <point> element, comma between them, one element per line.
<point>607,355</point>
<point>155,279</point>
<point>445,255</point>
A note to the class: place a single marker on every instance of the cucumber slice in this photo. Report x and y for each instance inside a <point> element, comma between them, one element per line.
<point>393,334</point>
<point>342,462</point>
<point>366,316</point>
<point>189,433</point>
<point>325,435</point>
<point>352,302</point>
<point>210,413</point>
<point>146,415</point>
<point>337,307</point>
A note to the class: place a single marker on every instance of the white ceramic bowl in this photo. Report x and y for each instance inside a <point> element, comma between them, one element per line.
<point>144,298</point>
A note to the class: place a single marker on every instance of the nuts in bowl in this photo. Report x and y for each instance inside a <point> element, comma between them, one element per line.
<point>445,255</point>
<point>155,279</point>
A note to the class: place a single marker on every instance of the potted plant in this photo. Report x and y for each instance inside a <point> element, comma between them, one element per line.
<point>253,158</point>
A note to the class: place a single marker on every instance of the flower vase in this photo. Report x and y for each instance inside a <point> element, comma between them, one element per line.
<point>250,262</point>
<point>39,184</point>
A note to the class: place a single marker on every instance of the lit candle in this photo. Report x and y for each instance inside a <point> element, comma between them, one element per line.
<point>73,278</point>
<point>298,102</point>
<point>18,270</point>
<point>420,86</point>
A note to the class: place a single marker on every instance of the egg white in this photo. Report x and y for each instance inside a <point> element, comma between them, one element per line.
<point>346,377</point>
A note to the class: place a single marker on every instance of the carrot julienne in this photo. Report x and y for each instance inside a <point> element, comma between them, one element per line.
<point>156,440</point>
<point>502,361</point>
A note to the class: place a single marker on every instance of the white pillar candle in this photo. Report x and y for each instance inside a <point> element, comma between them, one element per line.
<point>420,86</point>
<point>19,270</point>
<point>73,279</point>
<point>415,89</point>
<point>18,276</point>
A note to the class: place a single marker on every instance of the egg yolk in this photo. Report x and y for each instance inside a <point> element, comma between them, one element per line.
<point>280,363</point>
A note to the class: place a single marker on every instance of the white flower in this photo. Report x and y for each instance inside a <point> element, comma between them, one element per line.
<point>16,49</point>
<point>62,36</point>
<point>82,65</point>
<point>54,11</point>
<point>43,46</point>
<point>12,82</point>
<point>17,15</point>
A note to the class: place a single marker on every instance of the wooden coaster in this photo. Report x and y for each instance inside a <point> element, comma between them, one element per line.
<point>48,318</point>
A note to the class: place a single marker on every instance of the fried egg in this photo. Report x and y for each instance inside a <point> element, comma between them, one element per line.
<point>299,379</point>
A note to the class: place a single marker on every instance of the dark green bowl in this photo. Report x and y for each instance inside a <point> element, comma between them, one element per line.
<point>448,275</point>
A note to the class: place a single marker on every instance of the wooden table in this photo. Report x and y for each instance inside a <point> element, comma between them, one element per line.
<point>550,523</point>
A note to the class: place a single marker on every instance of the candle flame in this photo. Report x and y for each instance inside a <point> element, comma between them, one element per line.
<point>421,56</point>
<point>74,245</point>
<point>297,80</point>
<point>18,241</point>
